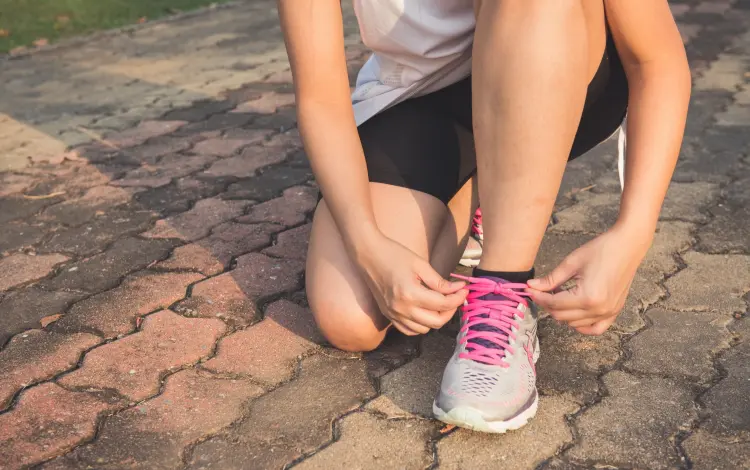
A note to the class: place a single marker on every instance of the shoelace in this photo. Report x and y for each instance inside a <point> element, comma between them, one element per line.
<point>476,226</point>
<point>498,314</point>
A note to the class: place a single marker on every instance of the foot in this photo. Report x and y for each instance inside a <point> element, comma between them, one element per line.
<point>489,383</point>
<point>473,251</point>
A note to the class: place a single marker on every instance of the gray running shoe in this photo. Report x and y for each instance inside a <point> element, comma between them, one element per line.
<point>489,384</point>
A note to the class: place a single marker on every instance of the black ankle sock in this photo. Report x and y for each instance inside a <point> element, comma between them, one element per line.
<point>510,276</point>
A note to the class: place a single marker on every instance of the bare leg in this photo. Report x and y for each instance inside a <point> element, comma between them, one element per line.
<point>533,60</point>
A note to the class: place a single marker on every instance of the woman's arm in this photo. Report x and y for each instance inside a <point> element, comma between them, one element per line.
<point>654,59</point>
<point>313,32</point>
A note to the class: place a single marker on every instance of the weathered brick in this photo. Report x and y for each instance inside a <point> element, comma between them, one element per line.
<point>104,271</point>
<point>593,213</point>
<point>144,131</point>
<point>170,167</point>
<point>370,442</point>
<point>150,152</point>
<point>251,159</point>
<point>395,350</point>
<point>193,257</point>
<point>37,355</point>
<point>22,268</point>
<point>570,363</point>
<point>291,244</point>
<point>199,110</point>
<point>178,196</point>
<point>115,312</point>
<point>155,433</point>
<point>695,288</point>
<point>47,421</point>
<point>632,425</point>
<point>197,222</point>
<point>692,337</point>
<point>23,309</point>
<point>528,447</point>
<point>268,351</point>
<point>289,209</point>
<point>133,365</point>
<point>234,294</point>
<point>719,8</point>
<point>15,236</point>
<point>232,239</point>
<point>267,103</point>
<point>269,184</point>
<point>17,207</point>
<point>280,427</point>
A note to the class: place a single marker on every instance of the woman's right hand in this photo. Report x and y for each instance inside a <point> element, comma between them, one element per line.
<point>409,292</point>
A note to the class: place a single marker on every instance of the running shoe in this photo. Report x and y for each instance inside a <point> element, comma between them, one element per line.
<point>473,250</point>
<point>489,384</point>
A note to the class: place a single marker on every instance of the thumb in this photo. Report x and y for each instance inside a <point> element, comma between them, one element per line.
<point>436,282</point>
<point>559,276</point>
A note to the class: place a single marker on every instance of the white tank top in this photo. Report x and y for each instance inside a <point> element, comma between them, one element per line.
<point>419,46</point>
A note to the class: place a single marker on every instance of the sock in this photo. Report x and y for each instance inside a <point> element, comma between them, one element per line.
<point>511,276</point>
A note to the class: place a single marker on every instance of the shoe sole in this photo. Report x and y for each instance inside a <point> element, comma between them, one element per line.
<point>470,418</point>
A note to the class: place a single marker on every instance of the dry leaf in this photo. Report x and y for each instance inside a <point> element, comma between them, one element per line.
<point>62,19</point>
<point>138,321</point>
<point>447,428</point>
<point>50,319</point>
<point>18,50</point>
<point>43,196</point>
<point>4,33</point>
<point>142,19</point>
<point>41,42</point>
<point>575,191</point>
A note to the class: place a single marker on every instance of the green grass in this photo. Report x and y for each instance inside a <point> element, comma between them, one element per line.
<point>22,22</point>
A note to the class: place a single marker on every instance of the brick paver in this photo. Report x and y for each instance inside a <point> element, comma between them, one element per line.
<point>155,209</point>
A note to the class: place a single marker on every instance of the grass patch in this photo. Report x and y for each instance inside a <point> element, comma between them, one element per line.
<point>38,22</point>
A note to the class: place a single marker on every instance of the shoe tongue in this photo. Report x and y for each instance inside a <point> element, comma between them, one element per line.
<point>483,327</point>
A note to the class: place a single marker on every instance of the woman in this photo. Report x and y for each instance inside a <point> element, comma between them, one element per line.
<point>469,100</point>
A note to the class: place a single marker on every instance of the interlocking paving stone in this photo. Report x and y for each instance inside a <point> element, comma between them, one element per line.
<point>142,132</point>
<point>412,388</point>
<point>114,312</point>
<point>104,271</point>
<point>13,183</point>
<point>37,355</point>
<point>633,423</point>
<point>253,158</point>
<point>170,167</point>
<point>99,232</point>
<point>570,363</point>
<point>730,228</point>
<point>292,243</point>
<point>545,434</point>
<point>17,235</point>
<point>727,404</point>
<point>47,421</point>
<point>222,147</point>
<point>395,350</point>
<point>696,287</point>
<point>197,222</point>
<point>17,207</point>
<point>178,196</point>
<point>233,295</point>
<point>268,351</point>
<point>80,210</point>
<point>267,103</point>
<point>128,365</point>
<point>280,427</point>
<point>154,149</point>
<point>368,442</point>
<point>193,257</point>
<point>288,210</point>
<point>21,268</point>
<point>155,433</point>
<point>708,452</point>
<point>679,344</point>
<point>269,184</point>
<point>23,309</point>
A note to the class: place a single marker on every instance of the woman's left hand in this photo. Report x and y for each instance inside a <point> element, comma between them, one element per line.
<point>603,270</point>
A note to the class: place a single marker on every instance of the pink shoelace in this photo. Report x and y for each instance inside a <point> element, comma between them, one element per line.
<point>498,315</point>
<point>476,226</point>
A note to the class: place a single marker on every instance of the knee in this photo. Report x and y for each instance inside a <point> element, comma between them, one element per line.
<point>348,329</point>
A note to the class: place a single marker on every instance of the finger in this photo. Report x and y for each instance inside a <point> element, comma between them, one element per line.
<point>565,300</point>
<point>436,282</point>
<point>559,276</point>
<point>413,326</point>
<point>403,328</point>
<point>437,302</point>
<point>430,319</point>
<point>582,322</point>
<point>573,315</point>
<point>597,328</point>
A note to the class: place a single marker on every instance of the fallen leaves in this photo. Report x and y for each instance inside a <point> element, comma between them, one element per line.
<point>41,42</point>
<point>4,33</point>
<point>50,319</point>
<point>43,196</point>
<point>575,191</point>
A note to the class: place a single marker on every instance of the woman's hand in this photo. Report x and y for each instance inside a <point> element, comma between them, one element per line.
<point>603,270</point>
<point>409,292</point>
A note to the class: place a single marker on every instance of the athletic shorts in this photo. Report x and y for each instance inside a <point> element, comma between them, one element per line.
<point>426,143</point>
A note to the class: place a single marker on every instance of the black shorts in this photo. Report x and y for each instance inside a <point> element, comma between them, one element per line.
<point>426,143</point>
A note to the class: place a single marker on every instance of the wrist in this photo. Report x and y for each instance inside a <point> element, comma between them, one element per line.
<point>638,234</point>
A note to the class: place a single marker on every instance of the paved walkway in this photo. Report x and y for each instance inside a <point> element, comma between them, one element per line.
<point>154,213</point>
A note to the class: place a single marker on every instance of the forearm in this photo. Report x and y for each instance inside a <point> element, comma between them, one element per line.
<point>332,144</point>
<point>659,97</point>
